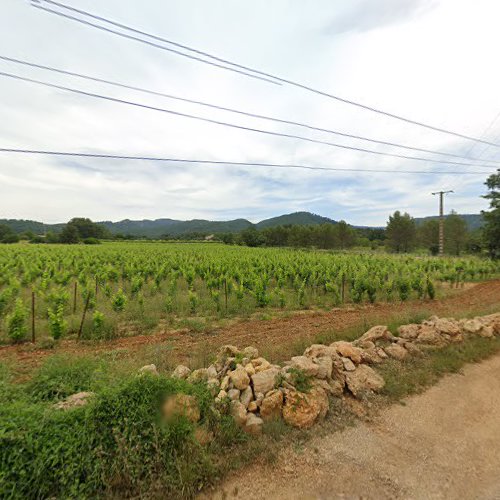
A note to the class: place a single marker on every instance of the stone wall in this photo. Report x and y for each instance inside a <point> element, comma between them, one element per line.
<point>299,391</point>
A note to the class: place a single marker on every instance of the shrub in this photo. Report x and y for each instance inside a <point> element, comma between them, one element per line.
<point>116,446</point>
<point>57,324</point>
<point>16,322</point>
<point>91,241</point>
<point>119,301</point>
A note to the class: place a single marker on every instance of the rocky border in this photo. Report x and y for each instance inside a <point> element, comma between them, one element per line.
<point>298,392</point>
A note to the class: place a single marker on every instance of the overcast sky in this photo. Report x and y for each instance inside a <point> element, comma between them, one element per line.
<point>435,61</point>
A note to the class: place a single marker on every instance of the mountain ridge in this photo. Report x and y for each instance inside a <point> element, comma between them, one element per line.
<point>155,228</point>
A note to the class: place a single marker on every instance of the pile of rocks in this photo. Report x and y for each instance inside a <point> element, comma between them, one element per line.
<point>299,391</point>
<point>256,390</point>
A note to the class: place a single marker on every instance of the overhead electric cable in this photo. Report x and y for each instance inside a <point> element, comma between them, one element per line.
<point>218,162</point>
<point>157,46</point>
<point>233,125</point>
<point>37,4</point>
<point>231,110</point>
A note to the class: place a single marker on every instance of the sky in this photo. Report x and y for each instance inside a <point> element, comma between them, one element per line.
<point>434,61</point>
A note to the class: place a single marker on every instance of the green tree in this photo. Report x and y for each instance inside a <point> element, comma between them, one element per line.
<point>251,237</point>
<point>69,234</point>
<point>88,229</point>
<point>346,236</point>
<point>401,232</point>
<point>455,233</point>
<point>491,230</point>
<point>428,235</point>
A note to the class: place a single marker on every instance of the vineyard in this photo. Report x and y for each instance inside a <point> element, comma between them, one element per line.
<point>125,288</point>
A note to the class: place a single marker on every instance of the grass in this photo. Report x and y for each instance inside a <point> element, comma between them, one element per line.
<point>416,374</point>
<point>117,445</point>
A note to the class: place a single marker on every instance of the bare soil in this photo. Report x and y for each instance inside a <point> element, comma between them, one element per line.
<point>275,337</point>
<point>442,444</point>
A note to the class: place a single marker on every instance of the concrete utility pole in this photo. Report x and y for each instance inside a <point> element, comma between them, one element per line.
<point>441,220</point>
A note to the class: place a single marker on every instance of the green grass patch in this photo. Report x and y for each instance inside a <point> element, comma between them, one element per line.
<point>414,375</point>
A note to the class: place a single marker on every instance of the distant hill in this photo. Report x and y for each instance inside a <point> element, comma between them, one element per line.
<point>297,218</point>
<point>160,227</point>
<point>474,221</point>
<point>22,226</point>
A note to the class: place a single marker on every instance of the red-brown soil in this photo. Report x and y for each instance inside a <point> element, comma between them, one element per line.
<point>279,336</point>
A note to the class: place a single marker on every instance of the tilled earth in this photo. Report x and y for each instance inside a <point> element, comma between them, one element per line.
<point>281,332</point>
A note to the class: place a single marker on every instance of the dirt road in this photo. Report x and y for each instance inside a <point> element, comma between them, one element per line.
<point>443,444</point>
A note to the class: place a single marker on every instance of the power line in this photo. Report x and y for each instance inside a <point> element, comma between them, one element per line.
<point>235,65</point>
<point>233,163</point>
<point>233,125</point>
<point>155,45</point>
<point>232,110</point>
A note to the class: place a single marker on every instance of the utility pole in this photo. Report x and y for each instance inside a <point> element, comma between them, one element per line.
<point>441,220</point>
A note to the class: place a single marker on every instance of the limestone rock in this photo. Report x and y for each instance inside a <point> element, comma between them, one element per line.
<point>320,395</point>
<point>211,372</point>
<point>349,366</point>
<point>347,350</point>
<point>260,364</point>
<point>233,394</point>
<point>429,336</point>
<point>325,367</point>
<point>304,364</point>
<point>264,381</point>
<point>246,396</point>
<point>472,326</point>
<point>486,331</point>
<point>148,369</point>
<point>364,379</point>
<point>409,332</point>
<point>447,326</point>
<point>253,406</point>
<point>396,351</point>
<point>227,351</point>
<point>371,356</point>
<point>75,400</point>
<point>253,424</point>
<point>239,413</point>
<point>251,352</point>
<point>224,384</point>
<point>221,395</point>
<point>181,372</point>
<point>271,405</point>
<point>239,377</point>
<point>376,333</point>
<point>181,405</point>
<point>319,350</point>
<point>250,369</point>
<point>301,410</point>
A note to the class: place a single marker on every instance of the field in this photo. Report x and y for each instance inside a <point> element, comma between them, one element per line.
<point>118,289</point>
<point>144,303</point>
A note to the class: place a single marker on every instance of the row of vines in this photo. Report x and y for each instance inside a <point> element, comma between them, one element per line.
<point>94,290</point>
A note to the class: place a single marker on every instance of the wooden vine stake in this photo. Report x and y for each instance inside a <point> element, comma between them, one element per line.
<point>32,316</point>
<point>225,292</point>
<point>74,296</point>
<point>83,316</point>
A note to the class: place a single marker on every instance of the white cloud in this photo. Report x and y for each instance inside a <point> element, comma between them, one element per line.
<point>434,61</point>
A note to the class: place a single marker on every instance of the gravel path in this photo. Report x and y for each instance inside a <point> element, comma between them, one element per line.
<point>442,444</point>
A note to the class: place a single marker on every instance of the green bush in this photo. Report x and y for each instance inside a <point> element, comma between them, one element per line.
<point>17,327</point>
<point>117,445</point>
<point>57,324</point>
<point>91,241</point>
